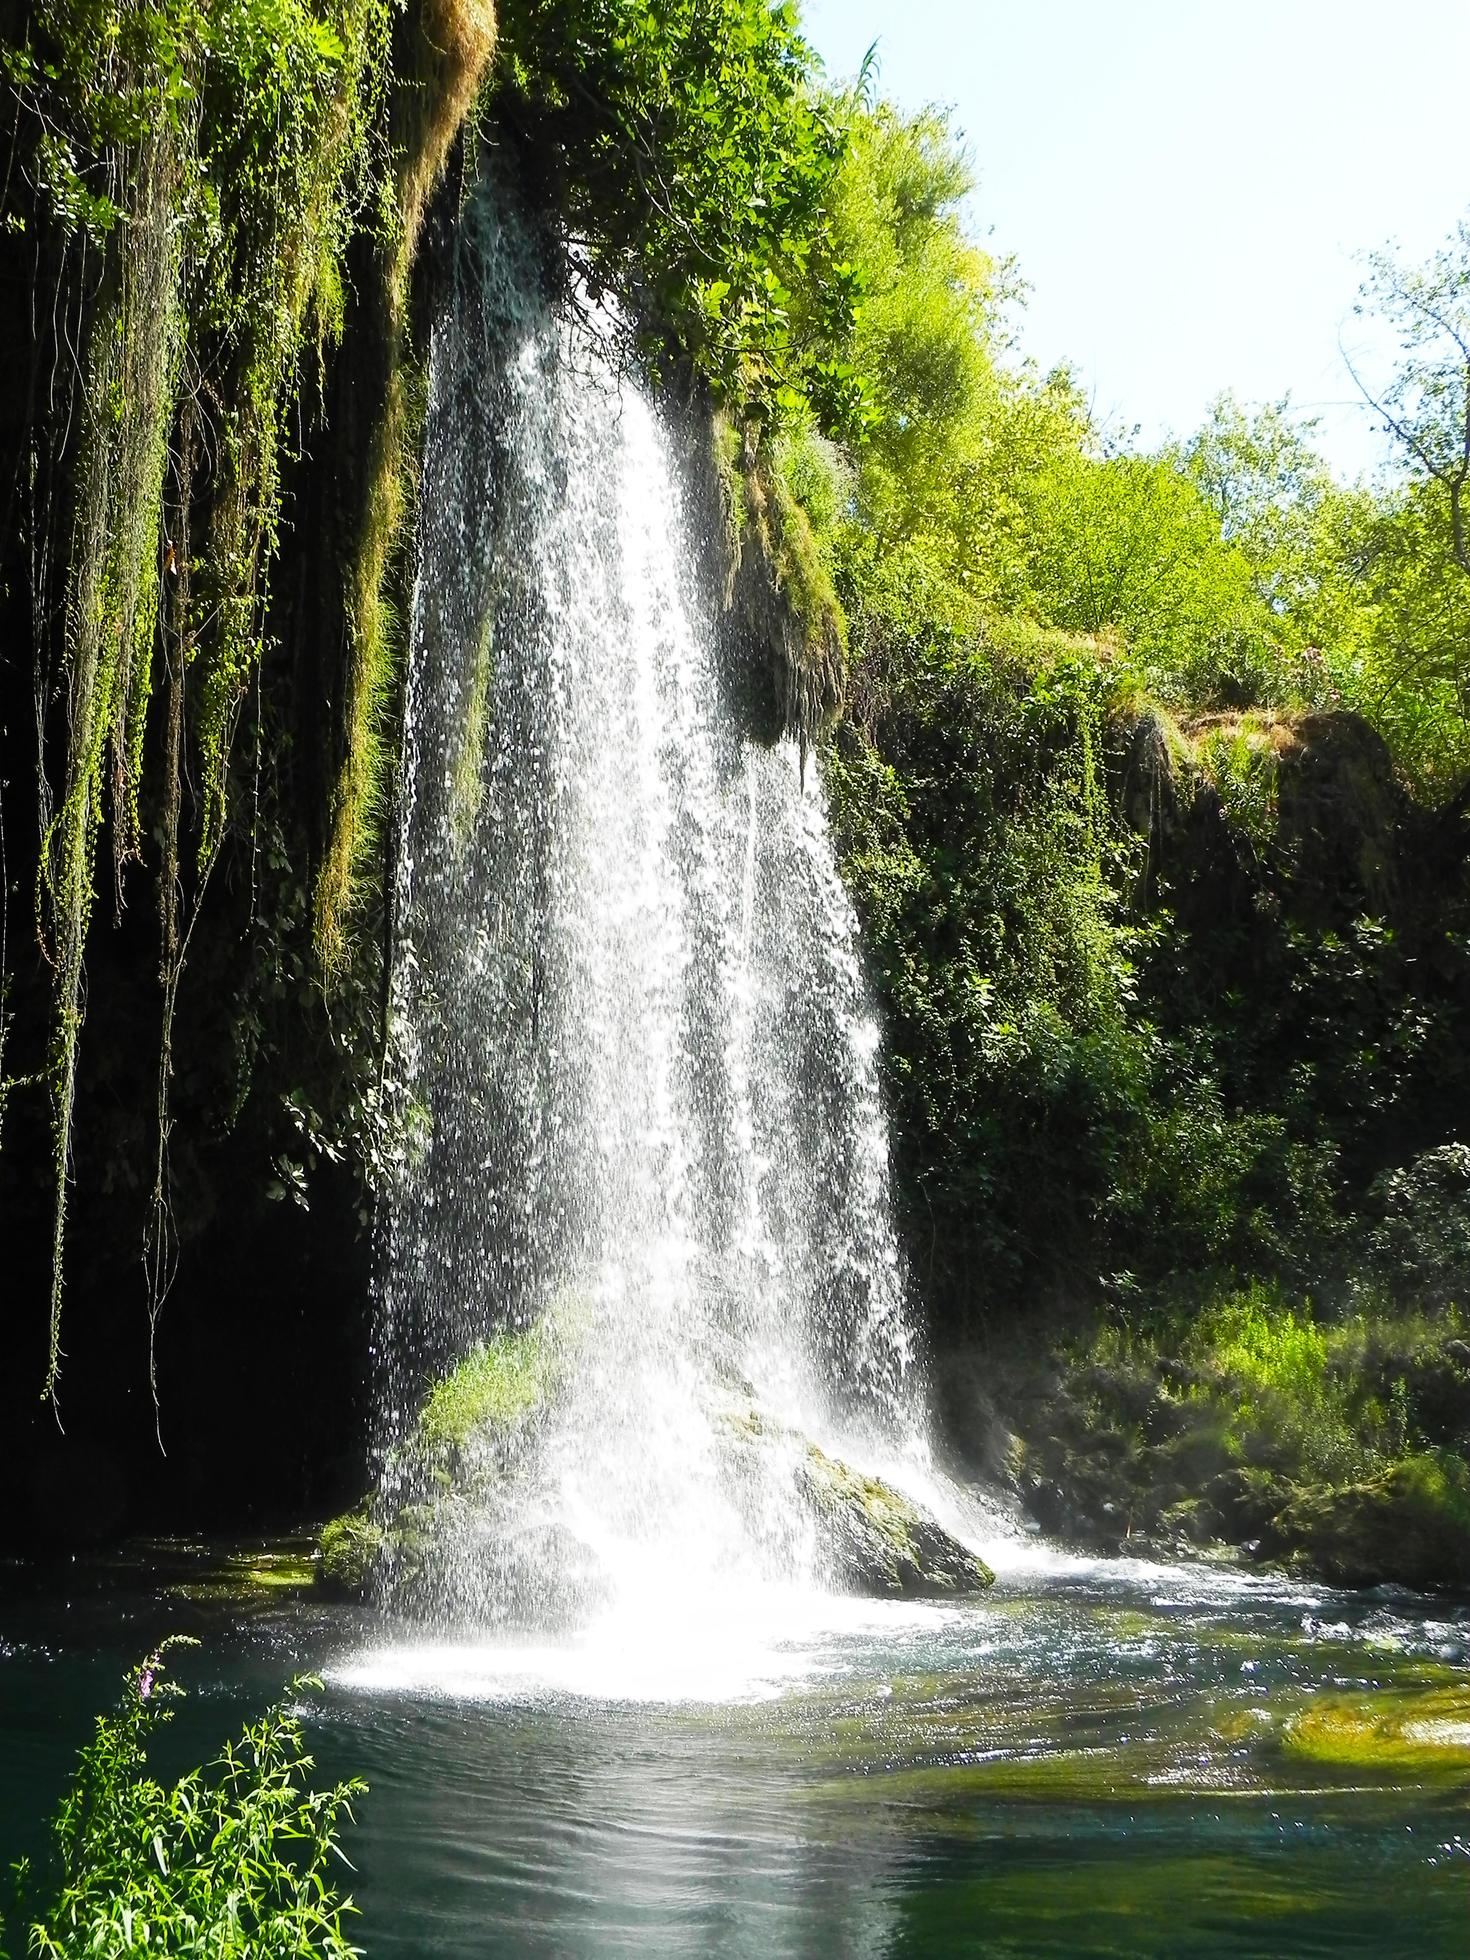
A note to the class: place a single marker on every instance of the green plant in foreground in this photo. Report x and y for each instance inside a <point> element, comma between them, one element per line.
<point>234,1859</point>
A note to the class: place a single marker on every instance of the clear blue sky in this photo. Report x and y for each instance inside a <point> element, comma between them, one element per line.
<point>1184,184</point>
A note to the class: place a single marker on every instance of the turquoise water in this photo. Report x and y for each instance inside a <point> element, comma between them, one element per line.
<point>1097,1759</point>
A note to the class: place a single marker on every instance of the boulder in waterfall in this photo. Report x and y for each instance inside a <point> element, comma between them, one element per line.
<point>874,1541</point>
<point>459,1500</point>
<point>867,1537</point>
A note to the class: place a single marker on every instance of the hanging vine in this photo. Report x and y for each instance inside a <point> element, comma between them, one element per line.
<point>443,61</point>
<point>204,167</point>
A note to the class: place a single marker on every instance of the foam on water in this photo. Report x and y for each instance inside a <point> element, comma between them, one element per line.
<point>744,1646</point>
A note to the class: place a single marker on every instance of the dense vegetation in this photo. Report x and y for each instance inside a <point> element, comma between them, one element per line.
<point>1151,771</point>
<point>1153,787</point>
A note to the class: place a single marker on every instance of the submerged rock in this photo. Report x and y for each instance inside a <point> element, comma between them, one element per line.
<point>1390,1734</point>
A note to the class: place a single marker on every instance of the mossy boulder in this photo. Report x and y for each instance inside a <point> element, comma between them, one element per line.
<point>466,1447</point>
<point>874,1541</point>
<point>471,1529</point>
<point>1409,1526</point>
<point>352,1548</point>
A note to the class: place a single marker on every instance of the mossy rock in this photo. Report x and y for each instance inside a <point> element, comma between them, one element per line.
<point>875,1542</point>
<point>469,1429</point>
<point>1410,1526</point>
<point>467,1448</point>
<point>352,1552</point>
<point>497,1391</point>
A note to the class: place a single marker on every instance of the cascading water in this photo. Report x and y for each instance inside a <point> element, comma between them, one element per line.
<point>627,998</point>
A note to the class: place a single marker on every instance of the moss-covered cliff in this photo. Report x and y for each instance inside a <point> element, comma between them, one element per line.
<point>226,234</point>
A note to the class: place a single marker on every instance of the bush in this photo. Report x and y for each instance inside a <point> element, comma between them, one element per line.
<point>1420,1248</point>
<point>233,1860</point>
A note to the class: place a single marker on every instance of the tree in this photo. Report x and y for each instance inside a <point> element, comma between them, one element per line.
<point>1307,538</point>
<point>1129,545</point>
<point>1425,404</point>
<point>1416,672</point>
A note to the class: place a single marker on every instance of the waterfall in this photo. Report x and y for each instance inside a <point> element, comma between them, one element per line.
<point>632,1035</point>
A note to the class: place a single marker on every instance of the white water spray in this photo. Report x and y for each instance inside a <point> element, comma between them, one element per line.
<point>627,996</point>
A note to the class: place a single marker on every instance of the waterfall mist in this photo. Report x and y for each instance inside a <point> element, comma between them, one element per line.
<point>630,1022</point>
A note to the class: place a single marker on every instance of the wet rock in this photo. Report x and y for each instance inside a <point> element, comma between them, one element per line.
<point>876,1542</point>
<point>1410,1526</point>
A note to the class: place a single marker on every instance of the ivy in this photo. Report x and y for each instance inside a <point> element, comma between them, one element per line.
<point>202,168</point>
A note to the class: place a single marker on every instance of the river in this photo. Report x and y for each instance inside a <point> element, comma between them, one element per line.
<point>1097,1758</point>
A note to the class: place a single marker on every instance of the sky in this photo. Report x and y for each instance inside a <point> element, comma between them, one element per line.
<point>1185,186</point>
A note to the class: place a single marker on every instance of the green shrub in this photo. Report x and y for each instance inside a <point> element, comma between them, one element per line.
<point>1269,1365</point>
<point>233,1860</point>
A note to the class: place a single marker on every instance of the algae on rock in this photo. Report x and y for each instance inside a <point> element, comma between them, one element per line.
<point>875,1541</point>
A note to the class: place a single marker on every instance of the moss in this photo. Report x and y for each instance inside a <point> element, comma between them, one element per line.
<point>112,606</point>
<point>352,1551</point>
<point>445,71</point>
<point>374,635</point>
<point>746,1425</point>
<point>794,553</point>
<point>227,156</point>
<point>784,591</point>
<point>500,1386</point>
<point>444,54</point>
